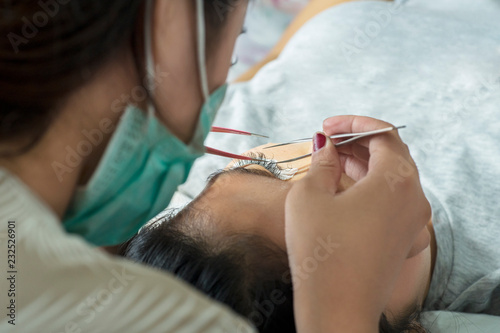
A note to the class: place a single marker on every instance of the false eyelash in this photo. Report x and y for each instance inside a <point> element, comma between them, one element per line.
<point>269,165</point>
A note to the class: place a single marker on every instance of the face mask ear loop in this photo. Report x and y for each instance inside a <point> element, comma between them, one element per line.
<point>202,65</point>
<point>148,55</point>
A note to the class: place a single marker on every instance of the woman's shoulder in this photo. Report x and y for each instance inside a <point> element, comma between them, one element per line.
<point>62,283</point>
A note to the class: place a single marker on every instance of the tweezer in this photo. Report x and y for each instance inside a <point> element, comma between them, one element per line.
<point>355,136</point>
<point>218,152</point>
<point>232,131</point>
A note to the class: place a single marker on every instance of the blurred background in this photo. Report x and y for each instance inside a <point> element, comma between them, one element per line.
<point>265,22</point>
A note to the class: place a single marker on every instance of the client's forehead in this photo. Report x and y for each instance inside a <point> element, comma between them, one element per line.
<point>237,185</point>
<point>246,200</point>
<point>228,174</point>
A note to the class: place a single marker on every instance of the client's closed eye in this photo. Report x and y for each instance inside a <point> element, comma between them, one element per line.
<point>268,164</point>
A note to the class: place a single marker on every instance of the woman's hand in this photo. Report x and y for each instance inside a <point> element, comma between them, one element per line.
<point>346,249</point>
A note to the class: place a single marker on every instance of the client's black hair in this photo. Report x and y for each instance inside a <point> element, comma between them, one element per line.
<point>244,271</point>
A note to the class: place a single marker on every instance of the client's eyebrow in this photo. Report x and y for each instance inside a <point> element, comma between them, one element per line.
<point>238,171</point>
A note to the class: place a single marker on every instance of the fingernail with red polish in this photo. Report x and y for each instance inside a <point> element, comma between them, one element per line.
<point>319,141</point>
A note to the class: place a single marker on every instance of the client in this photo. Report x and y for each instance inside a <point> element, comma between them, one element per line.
<point>427,74</point>
<point>230,244</point>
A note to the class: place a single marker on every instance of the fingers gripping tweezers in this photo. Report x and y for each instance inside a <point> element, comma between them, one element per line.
<point>354,137</point>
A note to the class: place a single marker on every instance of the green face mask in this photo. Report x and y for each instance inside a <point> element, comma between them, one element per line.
<point>142,166</point>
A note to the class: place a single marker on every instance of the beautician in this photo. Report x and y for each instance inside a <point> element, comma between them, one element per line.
<point>104,106</point>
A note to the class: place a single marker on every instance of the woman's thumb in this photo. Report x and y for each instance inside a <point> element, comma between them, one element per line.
<point>325,170</point>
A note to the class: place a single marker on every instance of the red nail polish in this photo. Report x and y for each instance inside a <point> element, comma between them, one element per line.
<point>319,141</point>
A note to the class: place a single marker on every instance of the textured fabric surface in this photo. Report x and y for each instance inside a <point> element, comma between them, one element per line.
<point>265,22</point>
<point>458,322</point>
<point>436,71</point>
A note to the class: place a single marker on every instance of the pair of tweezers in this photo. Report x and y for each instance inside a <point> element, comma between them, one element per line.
<point>354,137</point>
<point>218,152</point>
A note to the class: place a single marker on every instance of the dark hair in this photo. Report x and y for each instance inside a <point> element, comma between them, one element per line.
<point>244,271</point>
<point>241,270</point>
<point>49,48</point>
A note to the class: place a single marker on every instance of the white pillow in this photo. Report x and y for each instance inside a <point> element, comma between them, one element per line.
<point>472,8</point>
<point>455,322</point>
